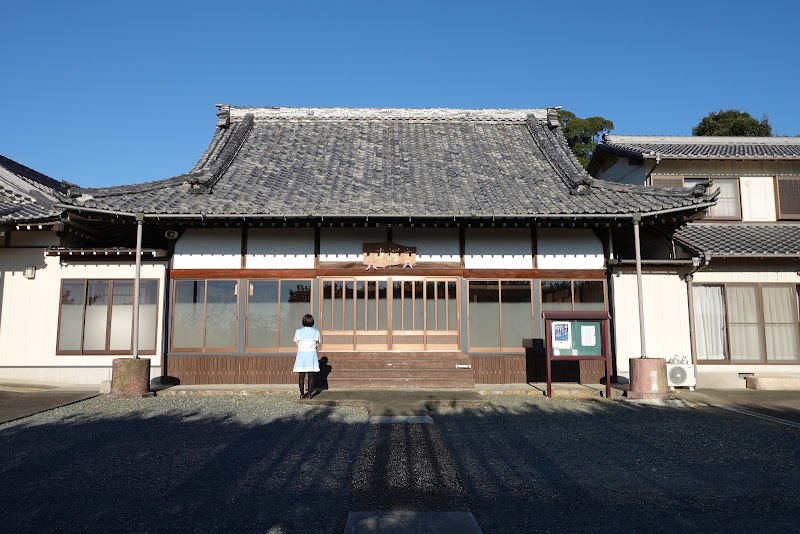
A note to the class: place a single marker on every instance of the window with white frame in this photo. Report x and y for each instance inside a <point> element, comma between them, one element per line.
<point>746,323</point>
<point>96,316</point>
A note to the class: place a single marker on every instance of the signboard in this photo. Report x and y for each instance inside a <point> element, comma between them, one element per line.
<point>388,254</point>
<point>576,338</point>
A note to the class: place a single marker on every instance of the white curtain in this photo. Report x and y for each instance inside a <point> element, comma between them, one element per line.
<point>780,318</point>
<point>709,319</point>
<point>744,323</point>
<point>728,200</point>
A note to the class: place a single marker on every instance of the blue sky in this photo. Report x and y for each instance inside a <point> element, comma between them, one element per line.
<point>105,93</point>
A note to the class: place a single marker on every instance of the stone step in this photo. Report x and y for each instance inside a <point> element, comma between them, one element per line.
<point>400,382</point>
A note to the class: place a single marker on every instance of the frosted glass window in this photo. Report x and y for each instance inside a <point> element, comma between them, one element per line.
<point>221,314</point>
<point>744,328</point>
<point>452,306</point>
<point>97,316</point>
<point>262,314</point>
<point>70,329</point>
<point>780,323</point>
<point>295,303</point>
<point>188,314</point>
<point>556,295</point>
<point>709,319</point>
<point>517,313</point>
<point>484,314</point>
<point>589,295</point>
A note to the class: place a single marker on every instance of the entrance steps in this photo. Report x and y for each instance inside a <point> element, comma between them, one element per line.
<point>395,370</point>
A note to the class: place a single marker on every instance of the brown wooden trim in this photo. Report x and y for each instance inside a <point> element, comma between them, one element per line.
<point>509,274</point>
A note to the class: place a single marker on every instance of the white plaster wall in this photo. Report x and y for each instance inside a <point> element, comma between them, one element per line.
<point>623,173</point>
<point>280,248</point>
<point>562,248</point>
<point>433,244</point>
<point>498,248</point>
<point>666,316</point>
<point>346,244</point>
<point>27,238</point>
<point>758,198</point>
<point>29,318</point>
<point>200,248</point>
<point>786,274</point>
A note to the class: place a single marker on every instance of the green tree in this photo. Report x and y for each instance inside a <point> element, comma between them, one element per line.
<point>583,134</point>
<point>732,123</point>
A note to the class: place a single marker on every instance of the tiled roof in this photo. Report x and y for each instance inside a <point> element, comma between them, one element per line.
<point>702,147</point>
<point>737,240</point>
<point>25,194</point>
<point>312,162</point>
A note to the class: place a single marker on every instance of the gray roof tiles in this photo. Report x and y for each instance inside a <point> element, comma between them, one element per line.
<point>25,194</point>
<point>385,162</point>
<point>742,240</point>
<point>703,147</point>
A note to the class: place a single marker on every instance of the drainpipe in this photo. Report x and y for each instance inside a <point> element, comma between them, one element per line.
<point>637,221</point>
<point>658,160</point>
<point>136,278</point>
<point>697,265</point>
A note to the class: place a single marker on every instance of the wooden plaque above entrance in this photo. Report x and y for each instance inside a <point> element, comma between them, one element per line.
<point>387,254</point>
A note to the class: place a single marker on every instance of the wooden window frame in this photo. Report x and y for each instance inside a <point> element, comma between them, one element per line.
<point>202,348</point>
<point>761,324</point>
<point>280,282</point>
<point>499,281</point>
<point>107,351</point>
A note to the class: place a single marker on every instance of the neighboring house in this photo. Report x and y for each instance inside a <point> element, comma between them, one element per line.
<point>412,235</point>
<point>734,307</point>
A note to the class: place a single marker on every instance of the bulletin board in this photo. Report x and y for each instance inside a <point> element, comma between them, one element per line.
<point>577,335</point>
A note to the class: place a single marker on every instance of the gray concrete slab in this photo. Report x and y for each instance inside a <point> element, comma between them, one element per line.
<point>18,404</point>
<point>778,404</point>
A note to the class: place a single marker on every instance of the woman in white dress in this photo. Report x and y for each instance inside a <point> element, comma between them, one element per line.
<point>307,339</point>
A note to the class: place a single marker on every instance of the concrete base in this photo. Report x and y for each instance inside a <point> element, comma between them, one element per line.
<point>130,376</point>
<point>773,383</point>
<point>648,379</point>
<point>719,381</point>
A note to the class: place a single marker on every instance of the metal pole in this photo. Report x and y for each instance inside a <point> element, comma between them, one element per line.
<point>136,278</point>
<point>637,221</point>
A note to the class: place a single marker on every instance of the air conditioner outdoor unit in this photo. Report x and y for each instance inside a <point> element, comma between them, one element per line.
<point>681,375</point>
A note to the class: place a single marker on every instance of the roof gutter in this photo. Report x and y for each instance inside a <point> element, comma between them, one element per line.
<point>554,216</point>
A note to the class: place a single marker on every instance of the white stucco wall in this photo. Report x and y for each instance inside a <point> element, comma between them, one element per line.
<point>433,244</point>
<point>498,248</point>
<point>666,316</point>
<point>347,244</point>
<point>758,198</point>
<point>280,248</point>
<point>29,316</point>
<point>209,249</point>
<point>562,248</point>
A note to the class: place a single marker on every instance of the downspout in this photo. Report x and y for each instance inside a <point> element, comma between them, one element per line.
<point>637,221</point>
<point>697,265</point>
<point>658,160</point>
<point>136,279</point>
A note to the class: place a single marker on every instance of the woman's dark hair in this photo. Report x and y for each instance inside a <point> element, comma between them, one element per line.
<point>308,320</point>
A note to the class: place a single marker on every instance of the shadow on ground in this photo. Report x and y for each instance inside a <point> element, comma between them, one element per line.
<point>271,464</point>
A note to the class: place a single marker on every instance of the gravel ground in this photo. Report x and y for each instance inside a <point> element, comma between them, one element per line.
<point>180,464</point>
<point>271,464</point>
<point>535,465</point>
